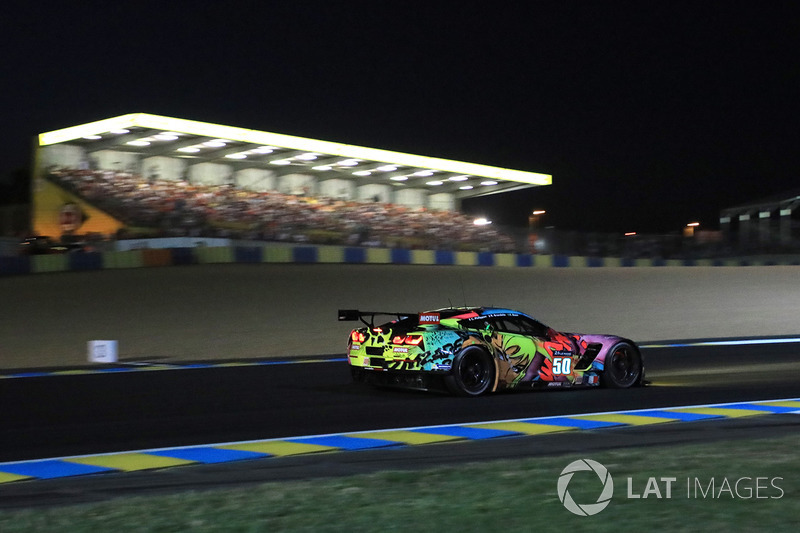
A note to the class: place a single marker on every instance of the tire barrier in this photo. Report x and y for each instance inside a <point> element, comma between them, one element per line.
<point>160,257</point>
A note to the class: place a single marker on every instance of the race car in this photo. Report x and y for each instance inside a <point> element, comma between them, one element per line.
<point>469,351</point>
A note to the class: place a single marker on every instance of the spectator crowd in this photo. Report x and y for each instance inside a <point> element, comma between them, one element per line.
<point>170,208</point>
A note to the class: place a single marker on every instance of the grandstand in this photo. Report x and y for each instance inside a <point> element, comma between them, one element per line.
<point>142,174</point>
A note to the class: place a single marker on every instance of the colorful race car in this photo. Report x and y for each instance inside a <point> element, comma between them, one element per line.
<point>469,351</point>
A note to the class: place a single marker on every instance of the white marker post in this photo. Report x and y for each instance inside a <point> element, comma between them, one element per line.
<point>102,351</point>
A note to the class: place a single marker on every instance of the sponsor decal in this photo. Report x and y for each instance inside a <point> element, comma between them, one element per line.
<point>429,318</point>
<point>562,366</point>
<point>399,349</point>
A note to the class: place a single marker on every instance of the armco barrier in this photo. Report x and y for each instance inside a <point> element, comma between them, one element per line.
<point>49,263</point>
<point>15,265</point>
<point>127,259</point>
<point>248,254</point>
<point>183,256</point>
<point>154,257</point>
<point>85,261</point>
<point>305,254</point>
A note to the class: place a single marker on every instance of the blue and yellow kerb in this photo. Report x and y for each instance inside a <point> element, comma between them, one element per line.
<point>132,461</point>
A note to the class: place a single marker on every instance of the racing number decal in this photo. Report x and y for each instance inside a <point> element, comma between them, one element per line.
<point>562,366</point>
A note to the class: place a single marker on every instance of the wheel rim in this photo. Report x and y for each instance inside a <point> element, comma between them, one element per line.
<point>624,368</point>
<point>474,372</point>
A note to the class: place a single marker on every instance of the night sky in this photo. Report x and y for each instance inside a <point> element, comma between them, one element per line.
<point>649,115</point>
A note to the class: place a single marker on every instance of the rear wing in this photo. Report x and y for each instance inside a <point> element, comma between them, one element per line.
<point>351,315</point>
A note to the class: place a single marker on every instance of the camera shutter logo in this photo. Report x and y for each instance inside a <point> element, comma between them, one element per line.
<point>587,509</point>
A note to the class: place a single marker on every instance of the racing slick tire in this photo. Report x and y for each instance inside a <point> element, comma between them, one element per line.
<point>622,368</point>
<point>472,372</point>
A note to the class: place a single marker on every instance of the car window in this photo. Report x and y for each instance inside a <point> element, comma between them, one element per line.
<point>510,325</point>
<point>525,326</point>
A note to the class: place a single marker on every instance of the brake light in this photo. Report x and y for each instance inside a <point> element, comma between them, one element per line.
<point>357,336</point>
<point>412,340</point>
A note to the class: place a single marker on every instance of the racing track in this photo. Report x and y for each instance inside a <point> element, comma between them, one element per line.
<point>68,415</point>
<point>71,415</point>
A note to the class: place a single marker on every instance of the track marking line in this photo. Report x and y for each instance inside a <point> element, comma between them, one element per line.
<point>729,342</point>
<point>338,442</point>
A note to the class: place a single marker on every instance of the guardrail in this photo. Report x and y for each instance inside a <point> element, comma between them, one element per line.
<point>153,257</point>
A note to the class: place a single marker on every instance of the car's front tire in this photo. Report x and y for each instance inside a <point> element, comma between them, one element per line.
<point>472,373</point>
<point>622,367</point>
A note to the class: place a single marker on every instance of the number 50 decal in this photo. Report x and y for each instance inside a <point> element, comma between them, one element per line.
<point>562,366</point>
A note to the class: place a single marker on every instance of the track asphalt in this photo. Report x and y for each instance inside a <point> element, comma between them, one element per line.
<point>234,413</point>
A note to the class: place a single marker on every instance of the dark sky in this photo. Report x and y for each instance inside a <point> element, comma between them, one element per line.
<point>648,115</point>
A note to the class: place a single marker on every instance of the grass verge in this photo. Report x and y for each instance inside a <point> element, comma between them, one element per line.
<point>745,485</point>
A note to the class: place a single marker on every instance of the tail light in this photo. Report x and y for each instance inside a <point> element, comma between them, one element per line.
<point>411,340</point>
<point>357,336</point>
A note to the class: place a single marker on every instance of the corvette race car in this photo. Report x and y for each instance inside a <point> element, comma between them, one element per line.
<point>470,351</point>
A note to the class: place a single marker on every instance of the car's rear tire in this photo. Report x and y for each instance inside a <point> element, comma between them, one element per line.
<point>622,367</point>
<point>472,372</point>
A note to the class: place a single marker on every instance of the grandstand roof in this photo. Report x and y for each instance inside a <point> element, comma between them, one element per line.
<point>154,135</point>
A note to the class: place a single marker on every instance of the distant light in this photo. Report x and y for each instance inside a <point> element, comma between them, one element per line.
<point>487,183</point>
<point>138,143</point>
<point>423,173</point>
<point>121,131</point>
<point>92,137</point>
<point>399,178</point>
<point>630,234</point>
<point>387,168</point>
<point>322,168</point>
<point>166,136</point>
<point>349,163</point>
<point>434,183</point>
<point>539,212</point>
<point>236,156</point>
<point>263,150</point>
<point>458,178</point>
<point>214,144</point>
<point>281,162</point>
<point>466,187</point>
<point>362,173</point>
<point>307,157</point>
<point>481,222</point>
<point>189,149</point>
<point>692,224</point>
